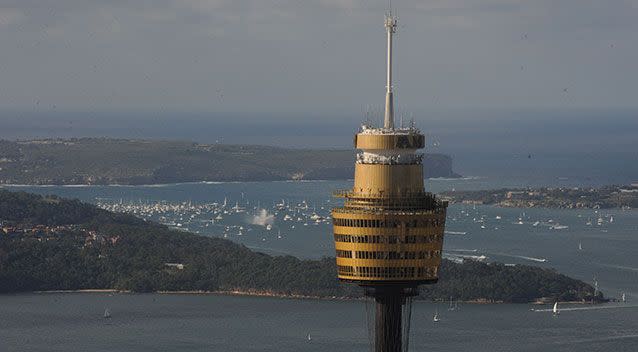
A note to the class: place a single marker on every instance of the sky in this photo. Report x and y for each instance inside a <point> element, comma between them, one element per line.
<point>316,56</point>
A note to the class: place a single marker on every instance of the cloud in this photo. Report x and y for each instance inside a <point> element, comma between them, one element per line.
<point>269,55</point>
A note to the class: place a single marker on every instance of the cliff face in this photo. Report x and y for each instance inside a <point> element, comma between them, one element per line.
<point>114,161</point>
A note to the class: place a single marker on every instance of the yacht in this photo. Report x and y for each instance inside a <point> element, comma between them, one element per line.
<point>436,318</point>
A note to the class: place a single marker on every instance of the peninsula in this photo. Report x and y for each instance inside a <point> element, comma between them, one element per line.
<point>50,243</point>
<point>132,162</point>
<point>571,198</point>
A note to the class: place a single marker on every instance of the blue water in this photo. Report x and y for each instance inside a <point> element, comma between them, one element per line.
<point>74,322</point>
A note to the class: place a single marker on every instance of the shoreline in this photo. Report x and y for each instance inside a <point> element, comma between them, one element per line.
<point>264,294</point>
<point>158,185</point>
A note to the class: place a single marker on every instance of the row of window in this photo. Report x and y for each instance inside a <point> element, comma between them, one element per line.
<point>377,223</point>
<point>389,239</point>
<point>344,254</point>
<point>387,272</point>
<point>389,255</point>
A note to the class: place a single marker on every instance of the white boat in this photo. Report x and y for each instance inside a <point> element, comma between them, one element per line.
<point>287,217</point>
<point>536,223</point>
<point>455,233</point>
<point>309,338</point>
<point>555,310</point>
<point>580,246</point>
<point>268,227</point>
<point>611,219</point>
<point>237,208</point>
<point>559,227</point>
<point>107,314</point>
<point>624,298</point>
<point>498,217</point>
<point>436,318</point>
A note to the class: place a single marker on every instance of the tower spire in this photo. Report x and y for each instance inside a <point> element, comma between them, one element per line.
<point>390,27</point>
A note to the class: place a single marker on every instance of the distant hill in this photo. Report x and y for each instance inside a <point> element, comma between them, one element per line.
<point>49,243</point>
<point>125,161</point>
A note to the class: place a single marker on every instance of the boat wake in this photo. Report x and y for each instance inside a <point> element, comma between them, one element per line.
<point>587,308</point>
<point>621,267</point>
<point>532,259</point>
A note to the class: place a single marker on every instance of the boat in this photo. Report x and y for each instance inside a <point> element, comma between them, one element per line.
<point>237,208</point>
<point>555,310</point>
<point>268,227</point>
<point>624,298</point>
<point>536,223</point>
<point>498,217</point>
<point>580,246</point>
<point>107,314</point>
<point>559,227</point>
<point>309,337</point>
<point>611,219</point>
<point>436,318</point>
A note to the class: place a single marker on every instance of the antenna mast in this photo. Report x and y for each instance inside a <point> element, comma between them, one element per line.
<point>391,28</point>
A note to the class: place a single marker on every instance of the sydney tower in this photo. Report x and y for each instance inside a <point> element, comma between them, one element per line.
<point>389,233</point>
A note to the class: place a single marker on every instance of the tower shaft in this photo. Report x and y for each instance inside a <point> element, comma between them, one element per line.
<point>387,323</point>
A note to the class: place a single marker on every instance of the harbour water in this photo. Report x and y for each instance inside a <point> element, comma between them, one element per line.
<point>75,322</point>
<point>542,237</point>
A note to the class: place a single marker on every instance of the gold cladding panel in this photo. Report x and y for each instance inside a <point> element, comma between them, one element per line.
<point>388,179</point>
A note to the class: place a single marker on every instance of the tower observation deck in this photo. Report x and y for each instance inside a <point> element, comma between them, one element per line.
<point>389,232</point>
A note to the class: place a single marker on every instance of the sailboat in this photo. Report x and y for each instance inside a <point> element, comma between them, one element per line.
<point>309,337</point>
<point>436,318</point>
<point>107,314</point>
<point>580,246</point>
<point>624,298</point>
<point>555,310</point>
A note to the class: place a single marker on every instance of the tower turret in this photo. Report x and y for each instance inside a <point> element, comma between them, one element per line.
<point>389,232</point>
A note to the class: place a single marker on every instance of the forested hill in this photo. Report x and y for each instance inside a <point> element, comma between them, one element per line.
<point>123,161</point>
<point>48,243</point>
